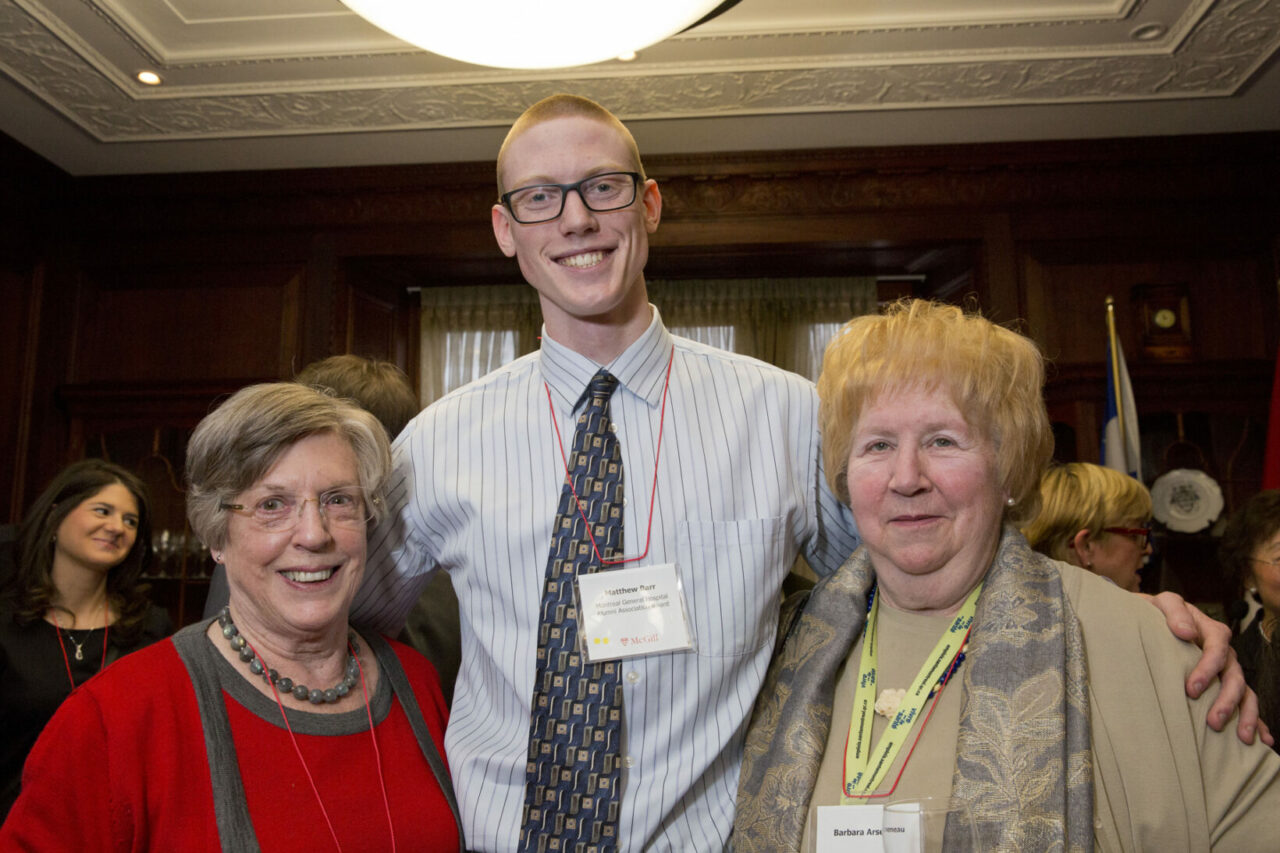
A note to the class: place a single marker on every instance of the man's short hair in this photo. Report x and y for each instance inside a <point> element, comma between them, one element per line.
<point>376,386</point>
<point>565,106</point>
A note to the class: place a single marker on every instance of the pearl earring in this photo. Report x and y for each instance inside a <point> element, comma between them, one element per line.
<point>1009,501</point>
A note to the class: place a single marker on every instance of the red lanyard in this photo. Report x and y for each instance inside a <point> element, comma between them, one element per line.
<point>106,630</point>
<point>377,753</point>
<point>653,494</point>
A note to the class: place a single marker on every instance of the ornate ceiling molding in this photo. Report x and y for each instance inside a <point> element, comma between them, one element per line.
<point>1215,58</point>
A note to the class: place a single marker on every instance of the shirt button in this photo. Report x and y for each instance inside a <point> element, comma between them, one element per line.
<point>632,678</point>
<point>629,761</point>
<point>613,427</point>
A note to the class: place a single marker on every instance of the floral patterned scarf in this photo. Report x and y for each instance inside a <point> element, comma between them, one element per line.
<point>1023,762</point>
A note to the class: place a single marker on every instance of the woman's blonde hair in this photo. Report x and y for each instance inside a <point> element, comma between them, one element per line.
<point>1081,496</point>
<point>994,375</point>
<point>236,445</point>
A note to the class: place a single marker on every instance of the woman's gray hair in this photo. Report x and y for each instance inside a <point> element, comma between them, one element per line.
<point>237,443</point>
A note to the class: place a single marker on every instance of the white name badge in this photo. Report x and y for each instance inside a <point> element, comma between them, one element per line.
<point>629,612</point>
<point>849,829</point>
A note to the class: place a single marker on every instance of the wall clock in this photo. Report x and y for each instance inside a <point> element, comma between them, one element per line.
<point>1164,312</point>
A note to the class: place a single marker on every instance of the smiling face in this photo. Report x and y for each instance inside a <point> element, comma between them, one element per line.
<point>294,585</point>
<point>587,267</point>
<point>925,493</point>
<point>100,531</point>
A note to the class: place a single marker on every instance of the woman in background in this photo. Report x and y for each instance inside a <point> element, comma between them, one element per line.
<point>1250,554</point>
<point>74,603</point>
<point>1095,518</point>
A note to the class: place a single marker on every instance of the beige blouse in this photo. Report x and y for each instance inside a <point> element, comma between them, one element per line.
<point>1163,780</point>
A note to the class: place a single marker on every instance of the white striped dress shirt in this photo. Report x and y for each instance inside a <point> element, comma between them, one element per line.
<point>739,492</point>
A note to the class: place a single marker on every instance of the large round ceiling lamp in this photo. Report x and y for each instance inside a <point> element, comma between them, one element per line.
<point>533,33</point>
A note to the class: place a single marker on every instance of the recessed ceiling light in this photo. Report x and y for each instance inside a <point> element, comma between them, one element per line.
<point>1148,32</point>
<point>150,78</point>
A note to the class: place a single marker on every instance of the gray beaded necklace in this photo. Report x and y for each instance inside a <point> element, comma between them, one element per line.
<point>299,691</point>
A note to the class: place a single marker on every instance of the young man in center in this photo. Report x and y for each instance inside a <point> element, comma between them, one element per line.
<point>715,467</point>
<point>734,494</point>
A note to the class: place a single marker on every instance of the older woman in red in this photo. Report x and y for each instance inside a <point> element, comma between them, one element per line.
<point>274,726</point>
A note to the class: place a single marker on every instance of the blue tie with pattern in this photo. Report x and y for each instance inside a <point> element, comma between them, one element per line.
<point>572,778</point>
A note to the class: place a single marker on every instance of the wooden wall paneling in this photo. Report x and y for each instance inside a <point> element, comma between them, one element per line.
<point>1074,398</point>
<point>323,324</point>
<point>54,340</point>
<point>292,324</point>
<point>1275,258</point>
<point>1233,305</point>
<point>1233,308</point>
<point>21,292</point>
<point>1037,303</point>
<point>998,290</point>
<point>384,320</point>
<point>1077,293</point>
<point>194,323</point>
<point>373,327</point>
<point>852,228</point>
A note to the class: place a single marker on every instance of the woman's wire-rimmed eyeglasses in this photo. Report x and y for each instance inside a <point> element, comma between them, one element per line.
<point>346,507</point>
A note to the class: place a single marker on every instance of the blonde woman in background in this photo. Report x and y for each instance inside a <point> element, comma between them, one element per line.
<point>1095,518</point>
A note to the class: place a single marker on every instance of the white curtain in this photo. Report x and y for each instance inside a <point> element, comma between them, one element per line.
<point>786,322</point>
<point>469,331</point>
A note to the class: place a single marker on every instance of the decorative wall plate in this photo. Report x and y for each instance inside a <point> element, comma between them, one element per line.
<point>1186,500</point>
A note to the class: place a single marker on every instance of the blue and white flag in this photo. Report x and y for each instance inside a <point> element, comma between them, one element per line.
<point>1122,455</point>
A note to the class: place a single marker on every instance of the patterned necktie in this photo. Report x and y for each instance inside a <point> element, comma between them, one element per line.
<point>573,774</point>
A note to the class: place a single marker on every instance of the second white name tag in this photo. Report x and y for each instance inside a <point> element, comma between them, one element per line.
<point>629,612</point>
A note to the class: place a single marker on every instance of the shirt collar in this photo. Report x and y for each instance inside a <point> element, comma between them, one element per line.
<point>641,368</point>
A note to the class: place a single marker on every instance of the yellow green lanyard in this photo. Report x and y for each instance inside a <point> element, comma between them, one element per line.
<point>864,765</point>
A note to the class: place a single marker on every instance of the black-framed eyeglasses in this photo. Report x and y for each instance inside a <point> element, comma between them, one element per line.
<point>347,507</point>
<point>545,202</point>
<point>1141,535</point>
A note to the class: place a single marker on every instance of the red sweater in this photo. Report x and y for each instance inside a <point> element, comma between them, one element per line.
<point>122,766</point>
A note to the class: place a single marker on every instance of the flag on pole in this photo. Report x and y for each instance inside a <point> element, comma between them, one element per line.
<point>1121,446</point>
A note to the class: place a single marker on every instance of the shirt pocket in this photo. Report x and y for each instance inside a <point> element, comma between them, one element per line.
<point>732,573</point>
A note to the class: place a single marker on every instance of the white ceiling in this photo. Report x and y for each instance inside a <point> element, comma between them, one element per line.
<point>305,83</point>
